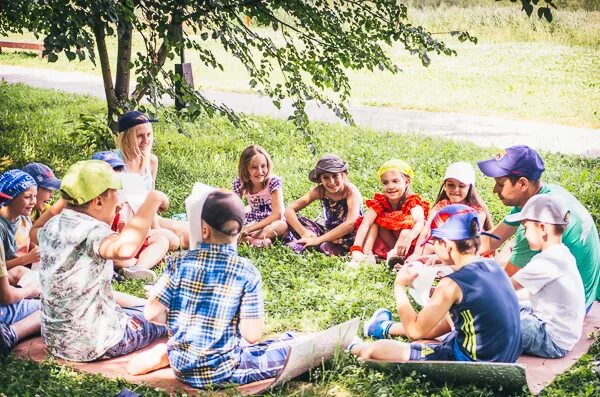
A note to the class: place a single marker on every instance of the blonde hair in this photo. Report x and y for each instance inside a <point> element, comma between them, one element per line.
<point>244,164</point>
<point>127,142</point>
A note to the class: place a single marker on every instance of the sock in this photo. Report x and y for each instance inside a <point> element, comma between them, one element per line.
<point>385,326</point>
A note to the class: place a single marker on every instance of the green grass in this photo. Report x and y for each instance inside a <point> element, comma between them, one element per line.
<point>522,68</point>
<point>303,292</point>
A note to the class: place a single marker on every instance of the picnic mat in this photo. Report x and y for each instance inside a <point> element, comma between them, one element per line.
<point>35,349</point>
<point>307,352</point>
<point>542,371</point>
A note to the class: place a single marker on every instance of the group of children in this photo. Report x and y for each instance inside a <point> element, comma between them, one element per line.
<point>209,299</point>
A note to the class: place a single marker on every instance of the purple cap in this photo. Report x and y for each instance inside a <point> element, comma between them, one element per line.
<point>133,118</point>
<point>111,158</point>
<point>519,160</point>
<point>43,176</point>
<point>454,223</point>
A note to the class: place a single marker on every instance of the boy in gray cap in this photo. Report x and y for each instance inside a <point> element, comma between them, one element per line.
<point>552,324</point>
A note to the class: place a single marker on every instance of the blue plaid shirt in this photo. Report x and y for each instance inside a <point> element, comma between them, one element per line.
<point>207,292</point>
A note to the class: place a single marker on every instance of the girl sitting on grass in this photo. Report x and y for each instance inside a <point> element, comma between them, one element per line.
<point>135,149</point>
<point>394,219</point>
<point>458,188</point>
<point>341,203</point>
<point>264,193</point>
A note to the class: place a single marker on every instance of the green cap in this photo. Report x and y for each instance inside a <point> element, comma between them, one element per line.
<point>86,180</point>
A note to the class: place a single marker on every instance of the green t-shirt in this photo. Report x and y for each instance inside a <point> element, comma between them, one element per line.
<point>581,237</point>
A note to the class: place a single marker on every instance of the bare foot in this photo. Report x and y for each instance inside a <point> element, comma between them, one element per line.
<point>148,361</point>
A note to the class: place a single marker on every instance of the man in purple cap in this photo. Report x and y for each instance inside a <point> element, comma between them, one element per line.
<point>517,171</point>
<point>47,184</point>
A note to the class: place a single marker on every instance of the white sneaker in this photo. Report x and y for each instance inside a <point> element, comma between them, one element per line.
<point>370,259</point>
<point>138,273</point>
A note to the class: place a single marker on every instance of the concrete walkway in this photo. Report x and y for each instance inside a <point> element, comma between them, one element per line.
<point>483,131</point>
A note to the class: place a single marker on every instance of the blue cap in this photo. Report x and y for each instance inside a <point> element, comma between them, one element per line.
<point>133,118</point>
<point>43,175</point>
<point>454,223</point>
<point>111,158</point>
<point>13,183</point>
<point>517,160</point>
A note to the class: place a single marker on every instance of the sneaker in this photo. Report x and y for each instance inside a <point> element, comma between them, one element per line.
<point>117,277</point>
<point>370,259</point>
<point>393,261</point>
<point>379,324</point>
<point>138,273</point>
<point>354,342</point>
<point>8,339</point>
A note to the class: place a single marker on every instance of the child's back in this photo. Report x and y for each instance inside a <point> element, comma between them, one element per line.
<point>556,293</point>
<point>207,291</point>
<point>487,318</point>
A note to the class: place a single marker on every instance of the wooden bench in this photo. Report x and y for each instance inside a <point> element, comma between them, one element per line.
<point>22,46</point>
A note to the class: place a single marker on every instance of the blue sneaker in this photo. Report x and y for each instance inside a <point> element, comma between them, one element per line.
<point>379,324</point>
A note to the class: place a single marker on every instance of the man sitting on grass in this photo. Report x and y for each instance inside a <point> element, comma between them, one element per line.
<point>211,300</point>
<point>82,317</point>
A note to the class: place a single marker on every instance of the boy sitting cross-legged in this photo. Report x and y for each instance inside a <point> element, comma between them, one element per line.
<point>477,295</point>
<point>552,324</point>
<point>83,319</point>
<point>211,300</point>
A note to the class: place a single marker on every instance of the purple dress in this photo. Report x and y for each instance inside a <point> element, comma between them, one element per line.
<point>334,214</point>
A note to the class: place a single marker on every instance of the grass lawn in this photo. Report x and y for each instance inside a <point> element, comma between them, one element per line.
<point>522,68</point>
<point>303,292</point>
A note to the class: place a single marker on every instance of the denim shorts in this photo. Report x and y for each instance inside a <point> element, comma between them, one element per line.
<point>263,360</point>
<point>10,314</point>
<point>536,340</point>
<point>138,333</point>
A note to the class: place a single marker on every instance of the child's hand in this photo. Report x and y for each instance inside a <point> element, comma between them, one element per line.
<point>402,245</point>
<point>428,260</point>
<point>162,198</point>
<point>307,234</point>
<point>33,255</point>
<point>309,241</point>
<point>404,277</point>
<point>33,293</point>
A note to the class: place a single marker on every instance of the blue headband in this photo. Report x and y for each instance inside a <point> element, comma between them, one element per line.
<point>15,182</point>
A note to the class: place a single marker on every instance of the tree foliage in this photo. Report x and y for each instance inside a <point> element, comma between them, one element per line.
<point>316,42</point>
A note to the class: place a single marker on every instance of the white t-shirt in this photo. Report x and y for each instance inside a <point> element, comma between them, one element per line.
<point>556,293</point>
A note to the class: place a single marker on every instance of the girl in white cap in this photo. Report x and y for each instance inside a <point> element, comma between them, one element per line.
<point>458,188</point>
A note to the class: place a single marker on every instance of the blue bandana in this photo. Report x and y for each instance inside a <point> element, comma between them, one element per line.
<point>13,183</point>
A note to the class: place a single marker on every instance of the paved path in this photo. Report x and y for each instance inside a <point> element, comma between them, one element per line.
<point>477,129</point>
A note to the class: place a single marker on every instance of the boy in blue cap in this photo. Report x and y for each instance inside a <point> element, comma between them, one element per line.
<point>517,171</point>
<point>478,296</point>
<point>47,184</point>
<point>112,158</point>
<point>14,218</point>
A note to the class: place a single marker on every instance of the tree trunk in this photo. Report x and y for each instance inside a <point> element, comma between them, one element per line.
<point>109,90</point>
<point>123,59</point>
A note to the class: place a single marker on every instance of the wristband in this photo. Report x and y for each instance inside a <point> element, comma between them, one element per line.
<point>356,248</point>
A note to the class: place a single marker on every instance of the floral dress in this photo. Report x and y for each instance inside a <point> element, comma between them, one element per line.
<point>334,214</point>
<point>261,204</point>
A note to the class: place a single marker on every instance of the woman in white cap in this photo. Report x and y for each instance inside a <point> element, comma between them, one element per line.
<point>458,188</point>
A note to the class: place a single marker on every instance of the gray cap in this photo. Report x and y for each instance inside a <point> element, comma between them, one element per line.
<point>542,208</point>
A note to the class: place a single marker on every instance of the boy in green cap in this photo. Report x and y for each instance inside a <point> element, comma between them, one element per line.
<point>83,319</point>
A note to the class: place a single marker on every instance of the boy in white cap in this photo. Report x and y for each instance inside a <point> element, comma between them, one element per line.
<point>553,323</point>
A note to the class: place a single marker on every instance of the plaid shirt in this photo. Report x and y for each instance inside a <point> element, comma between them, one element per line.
<point>207,292</point>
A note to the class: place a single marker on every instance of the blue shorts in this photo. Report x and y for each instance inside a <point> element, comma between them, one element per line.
<point>139,332</point>
<point>263,360</point>
<point>443,351</point>
<point>10,314</point>
<point>536,340</point>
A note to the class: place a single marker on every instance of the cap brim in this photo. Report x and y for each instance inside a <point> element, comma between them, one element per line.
<point>50,184</point>
<point>518,217</point>
<point>5,196</point>
<point>491,168</point>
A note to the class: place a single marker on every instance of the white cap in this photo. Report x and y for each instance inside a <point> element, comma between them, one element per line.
<point>462,172</point>
<point>542,208</point>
